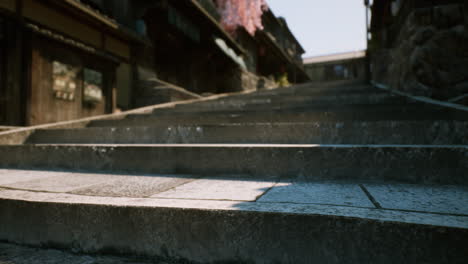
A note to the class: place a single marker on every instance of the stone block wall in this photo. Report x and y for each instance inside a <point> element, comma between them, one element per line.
<point>430,54</point>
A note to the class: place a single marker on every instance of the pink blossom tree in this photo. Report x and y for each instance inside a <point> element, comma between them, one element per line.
<point>242,13</point>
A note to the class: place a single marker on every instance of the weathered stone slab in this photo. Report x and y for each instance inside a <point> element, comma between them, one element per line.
<point>14,176</point>
<point>405,163</point>
<point>62,182</point>
<point>435,199</point>
<point>292,102</point>
<point>310,92</point>
<point>357,132</point>
<point>424,218</point>
<point>237,232</point>
<point>26,195</point>
<point>135,186</point>
<point>216,189</point>
<point>317,193</point>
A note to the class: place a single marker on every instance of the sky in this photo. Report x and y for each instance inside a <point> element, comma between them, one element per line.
<point>324,26</point>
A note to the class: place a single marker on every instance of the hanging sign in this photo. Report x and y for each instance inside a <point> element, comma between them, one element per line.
<point>64,81</point>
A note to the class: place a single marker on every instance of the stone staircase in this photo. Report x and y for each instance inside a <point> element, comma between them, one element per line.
<point>337,172</point>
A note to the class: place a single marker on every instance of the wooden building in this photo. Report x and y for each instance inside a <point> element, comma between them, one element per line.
<point>58,61</point>
<point>273,52</point>
<point>186,47</point>
<point>63,60</point>
<point>279,52</point>
<point>191,49</point>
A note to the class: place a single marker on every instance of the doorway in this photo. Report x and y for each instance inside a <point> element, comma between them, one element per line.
<point>3,98</point>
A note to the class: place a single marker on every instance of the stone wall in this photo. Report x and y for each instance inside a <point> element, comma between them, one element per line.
<point>430,54</point>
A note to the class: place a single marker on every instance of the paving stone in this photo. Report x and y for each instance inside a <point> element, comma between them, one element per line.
<point>135,186</point>
<point>62,182</point>
<point>435,199</point>
<point>13,176</point>
<point>225,189</point>
<point>317,193</point>
<point>26,195</point>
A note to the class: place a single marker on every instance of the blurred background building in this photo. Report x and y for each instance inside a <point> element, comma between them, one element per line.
<point>340,66</point>
<point>63,60</point>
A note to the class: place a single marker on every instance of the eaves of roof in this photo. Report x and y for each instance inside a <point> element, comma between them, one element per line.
<point>216,24</point>
<point>98,18</point>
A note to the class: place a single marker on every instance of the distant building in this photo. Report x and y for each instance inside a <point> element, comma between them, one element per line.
<point>340,66</point>
<point>279,50</point>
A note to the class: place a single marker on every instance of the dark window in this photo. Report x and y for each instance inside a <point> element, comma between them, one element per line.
<point>93,81</point>
<point>2,72</point>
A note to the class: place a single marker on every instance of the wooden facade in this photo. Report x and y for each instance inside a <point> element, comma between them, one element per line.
<point>185,50</point>
<point>69,59</point>
<point>279,51</point>
<point>58,61</point>
<point>46,105</point>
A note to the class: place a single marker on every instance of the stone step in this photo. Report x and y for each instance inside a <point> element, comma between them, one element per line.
<point>326,114</point>
<point>315,88</point>
<point>300,108</point>
<point>250,203</point>
<point>311,92</point>
<point>289,102</point>
<point>173,221</point>
<point>405,163</point>
<point>308,93</point>
<point>378,132</point>
<point>15,254</point>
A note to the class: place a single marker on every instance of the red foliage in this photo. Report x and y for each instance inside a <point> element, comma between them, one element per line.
<point>242,13</point>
